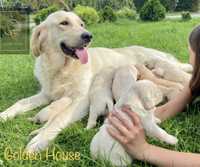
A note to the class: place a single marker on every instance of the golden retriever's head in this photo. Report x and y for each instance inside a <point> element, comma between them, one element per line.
<point>64,33</point>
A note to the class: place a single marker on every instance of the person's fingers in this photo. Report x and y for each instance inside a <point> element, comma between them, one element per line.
<point>126,123</point>
<point>108,114</point>
<point>133,116</point>
<point>116,135</point>
<point>126,107</point>
<point>116,123</point>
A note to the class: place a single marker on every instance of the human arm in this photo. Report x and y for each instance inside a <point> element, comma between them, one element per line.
<point>175,105</point>
<point>132,138</point>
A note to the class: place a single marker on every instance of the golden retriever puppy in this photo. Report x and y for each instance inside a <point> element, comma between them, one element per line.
<point>142,97</point>
<point>170,88</point>
<point>168,70</point>
<point>100,95</point>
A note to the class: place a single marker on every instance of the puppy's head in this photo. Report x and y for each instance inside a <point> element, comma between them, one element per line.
<point>64,33</point>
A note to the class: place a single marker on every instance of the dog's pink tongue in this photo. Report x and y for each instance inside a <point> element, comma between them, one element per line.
<point>82,55</point>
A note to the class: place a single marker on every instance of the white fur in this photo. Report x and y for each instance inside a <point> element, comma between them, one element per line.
<point>142,97</point>
<point>100,95</point>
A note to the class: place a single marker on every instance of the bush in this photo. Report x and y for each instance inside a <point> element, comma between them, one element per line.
<point>107,14</point>
<point>7,25</point>
<point>152,10</point>
<point>42,14</point>
<point>186,16</point>
<point>88,14</point>
<point>126,13</point>
<point>101,4</point>
<point>114,4</point>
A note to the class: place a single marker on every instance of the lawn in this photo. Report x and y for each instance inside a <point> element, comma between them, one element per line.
<point>17,81</point>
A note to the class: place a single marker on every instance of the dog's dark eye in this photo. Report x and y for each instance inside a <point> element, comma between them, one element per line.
<point>82,25</point>
<point>65,23</point>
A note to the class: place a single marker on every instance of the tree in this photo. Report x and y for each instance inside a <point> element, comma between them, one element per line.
<point>139,4</point>
<point>188,5</point>
<point>170,5</point>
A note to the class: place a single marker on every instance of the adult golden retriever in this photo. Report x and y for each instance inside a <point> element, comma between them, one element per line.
<point>65,67</point>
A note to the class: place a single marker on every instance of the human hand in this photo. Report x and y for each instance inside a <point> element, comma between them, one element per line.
<point>130,136</point>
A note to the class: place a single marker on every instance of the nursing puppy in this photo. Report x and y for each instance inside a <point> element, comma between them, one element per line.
<point>169,88</point>
<point>100,95</point>
<point>142,97</point>
<point>168,70</point>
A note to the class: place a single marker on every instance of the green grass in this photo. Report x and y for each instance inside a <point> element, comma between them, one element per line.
<point>17,81</point>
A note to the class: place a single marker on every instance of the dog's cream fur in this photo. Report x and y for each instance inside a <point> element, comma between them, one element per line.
<point>142,97</point>
<point>170,88</point>
<point>100,95</point>
<point>65,81</point>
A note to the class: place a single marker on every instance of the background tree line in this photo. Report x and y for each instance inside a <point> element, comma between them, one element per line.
<point>170,5</point>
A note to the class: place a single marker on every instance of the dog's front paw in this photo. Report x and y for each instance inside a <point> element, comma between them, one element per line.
<point>37,144</point>
<point>36,120</point>
<point>35,132</point>
<point>4,116</point>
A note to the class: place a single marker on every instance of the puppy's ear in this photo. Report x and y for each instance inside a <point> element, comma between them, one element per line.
<point>39,36</point>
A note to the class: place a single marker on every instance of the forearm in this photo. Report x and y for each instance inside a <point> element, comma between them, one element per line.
<point>163,157</point>
<point>176,105</point>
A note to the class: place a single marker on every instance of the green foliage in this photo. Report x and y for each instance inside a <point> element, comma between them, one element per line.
<point>8,22</point>
<point>169,5</point>
<point>42,14</point>
<point>101,4</point>
<point>7,25</point>
<point>114,4</point>
<point>126,13</point>
<point>152,10</point>
<point>188,5</point>
<point>139,4</point>
<point>107,14</point>
<point>88,14</point>
<point>186,16</point>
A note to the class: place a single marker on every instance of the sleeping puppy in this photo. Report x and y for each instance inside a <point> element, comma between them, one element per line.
<point>100,95</point>
<point>168,70</point>
<point>169,88</point>
<point>142,97</point>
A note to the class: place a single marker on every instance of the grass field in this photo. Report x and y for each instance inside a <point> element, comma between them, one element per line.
<point>17,81</point>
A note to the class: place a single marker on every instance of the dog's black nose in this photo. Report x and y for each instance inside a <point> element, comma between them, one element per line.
<point>86,36</point>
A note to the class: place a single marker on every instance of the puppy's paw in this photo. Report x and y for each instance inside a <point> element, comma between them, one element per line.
<point>4,116</point>
<point>90,125</point>
<point>178,87</point>
<point>171,140</point>
<point>158,72</point>
<point>157,120</point>
<point>37,144</point>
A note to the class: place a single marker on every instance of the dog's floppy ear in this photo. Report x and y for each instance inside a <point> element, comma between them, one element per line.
<point>39,35</point>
